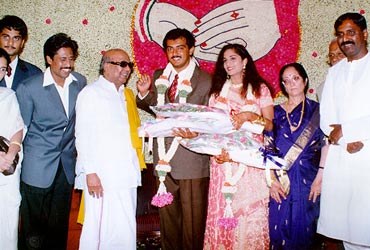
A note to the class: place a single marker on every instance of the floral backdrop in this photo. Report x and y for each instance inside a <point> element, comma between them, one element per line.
<point>98,25</point>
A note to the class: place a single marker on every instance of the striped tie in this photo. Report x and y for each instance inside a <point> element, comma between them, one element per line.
<point>173,89</point>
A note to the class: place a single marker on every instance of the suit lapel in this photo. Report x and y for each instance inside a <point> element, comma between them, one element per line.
<point>20,71</point>
<point>73,92</point>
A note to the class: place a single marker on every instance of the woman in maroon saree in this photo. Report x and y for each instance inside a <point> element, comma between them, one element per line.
<point>297,137</point>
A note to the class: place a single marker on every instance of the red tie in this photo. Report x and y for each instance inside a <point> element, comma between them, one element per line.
<point>173,89</point>
<point>9,71</point>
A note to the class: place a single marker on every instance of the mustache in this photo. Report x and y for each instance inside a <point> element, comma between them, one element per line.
<point>9,46</point>
<point>67,68</point>
<point>346,42</point>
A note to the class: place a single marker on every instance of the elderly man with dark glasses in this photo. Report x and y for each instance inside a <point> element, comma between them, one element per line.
<point>109,156</point>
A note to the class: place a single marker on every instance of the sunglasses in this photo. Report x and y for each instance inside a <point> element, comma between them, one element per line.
<point>123,64</point>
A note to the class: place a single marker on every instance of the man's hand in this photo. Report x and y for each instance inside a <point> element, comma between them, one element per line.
<point>354,147</point>
<point>335,134</point>
<point>94,185</point>
<point>184,133</point>
<point>143,84</point>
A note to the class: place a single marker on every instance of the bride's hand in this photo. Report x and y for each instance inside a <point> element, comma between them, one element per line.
<point>223,157</point>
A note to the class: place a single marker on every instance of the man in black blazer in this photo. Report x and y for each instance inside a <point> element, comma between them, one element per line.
<point>13,37</point>
<point>182,222</point>
<point>47,103</point>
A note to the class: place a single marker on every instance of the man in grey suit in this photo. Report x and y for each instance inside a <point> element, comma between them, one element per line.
<point>47,104</point>
<point>13,37</point>
<point>183,221</point>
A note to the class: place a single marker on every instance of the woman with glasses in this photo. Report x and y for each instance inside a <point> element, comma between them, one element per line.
<point>294,193</point>
<point>11,128</point>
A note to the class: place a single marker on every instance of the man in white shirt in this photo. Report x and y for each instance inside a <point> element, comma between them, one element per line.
<point>107,165</point>
<point>345,118</point>
<point>47,104</point>
<point>13,37</point>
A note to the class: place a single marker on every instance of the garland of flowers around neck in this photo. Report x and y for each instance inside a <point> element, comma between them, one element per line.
<point>162,197</point>
<point>229,188</point>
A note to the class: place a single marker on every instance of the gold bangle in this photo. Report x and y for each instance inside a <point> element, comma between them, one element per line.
<point>16,143</point>
<point>260,121</point>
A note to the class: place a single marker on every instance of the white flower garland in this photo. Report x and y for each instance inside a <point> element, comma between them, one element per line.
<point>229,187</point>
<point>163,167</point>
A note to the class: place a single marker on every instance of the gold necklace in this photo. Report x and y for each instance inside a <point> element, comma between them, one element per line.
<point>293,128</point>
<point>236,86</point>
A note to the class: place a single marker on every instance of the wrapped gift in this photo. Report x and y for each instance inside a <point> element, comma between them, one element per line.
<point>241,146</point>
<point>198,118</point>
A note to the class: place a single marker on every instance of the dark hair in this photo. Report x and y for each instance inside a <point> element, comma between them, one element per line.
<point>251,75</point>
<point>357,18</point>
<point>57,41</point>
<point>4,54</point>
<point>13,22</point>
<point>177,33</point>
<point>301,71</point>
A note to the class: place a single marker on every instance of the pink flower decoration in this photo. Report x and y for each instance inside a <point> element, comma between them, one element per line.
<point>85,22</point>
<point>314,54</point>
<point>48,21</point>
<point>111,8</point>
<point>102,52</point>
<point>311,91</point>
<point>227,223</point>
<point>161,200</point>
<point>362,12</point>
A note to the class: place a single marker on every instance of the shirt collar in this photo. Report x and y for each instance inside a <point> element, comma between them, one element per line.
<point>49,80</point>
<point>14,64</point>
<point>182,74</point>
<point>111,84</point>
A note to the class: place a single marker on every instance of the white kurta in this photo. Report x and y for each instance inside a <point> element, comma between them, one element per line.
<point>345,198</point>
<point>11,122</point>
<point>104,147</point>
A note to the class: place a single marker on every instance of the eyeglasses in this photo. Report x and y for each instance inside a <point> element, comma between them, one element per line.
<point>123,64</point>
<point>3,69</point>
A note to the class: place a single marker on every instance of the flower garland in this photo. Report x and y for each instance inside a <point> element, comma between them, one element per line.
<point>229,188</point>
<point>162,197</point>
<point>228,221</point>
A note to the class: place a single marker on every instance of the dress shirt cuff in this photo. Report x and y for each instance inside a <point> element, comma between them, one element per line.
<point>142,97</point>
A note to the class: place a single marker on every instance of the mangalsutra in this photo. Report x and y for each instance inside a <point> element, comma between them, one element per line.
<point>294,128</point>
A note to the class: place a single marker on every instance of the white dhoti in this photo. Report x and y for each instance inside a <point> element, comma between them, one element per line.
<point>110,222</point>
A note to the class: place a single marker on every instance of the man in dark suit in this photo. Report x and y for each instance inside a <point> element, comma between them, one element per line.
<point>183,221</point>
<point>13,37</point>
<point>47,104</point>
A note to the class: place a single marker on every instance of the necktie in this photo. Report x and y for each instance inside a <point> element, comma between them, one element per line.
<point>173,89</point>
<point>9,71</point>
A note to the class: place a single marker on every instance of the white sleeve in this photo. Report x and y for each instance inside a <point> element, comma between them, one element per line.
<point>85,132</point>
